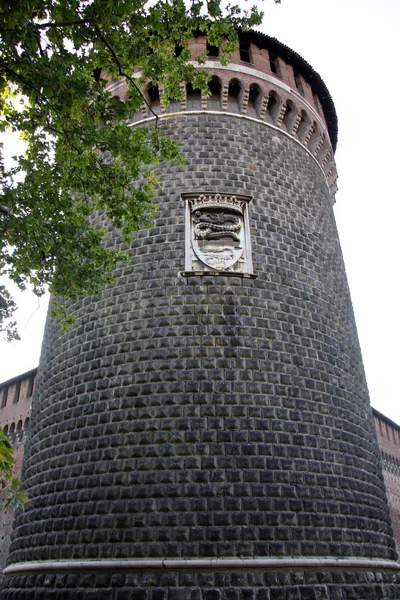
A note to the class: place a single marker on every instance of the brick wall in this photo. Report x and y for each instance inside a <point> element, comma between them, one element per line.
<point>389,443</point>
<point>15,405</point>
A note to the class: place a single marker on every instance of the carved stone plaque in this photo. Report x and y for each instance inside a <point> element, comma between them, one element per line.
<point>217,233</point>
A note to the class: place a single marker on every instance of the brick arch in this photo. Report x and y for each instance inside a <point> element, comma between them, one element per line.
<point>274,106</point>
<point>255,100</point>
<point>193,97</point>
<point>215,88</point>
<point>12,432</point>
<point>152,94</point>
<point>19,431</point>
<point>235,93</point>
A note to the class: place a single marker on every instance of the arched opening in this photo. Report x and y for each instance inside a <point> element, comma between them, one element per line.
<point>19,431</point>
<point>214,98</point>
<point>5,430</point>
<point>26,424</point>
<point>12,433</point>
<point>273,105</point>
<point>193,97</point>
<point>234,94</point>
<point>255,96</point>
<point>153,95</point>
<point>289,116</point>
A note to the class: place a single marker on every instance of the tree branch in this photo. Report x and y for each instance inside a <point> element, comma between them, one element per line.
<point>28,84</point>
<point>121,72</point>
<point>64,23</point>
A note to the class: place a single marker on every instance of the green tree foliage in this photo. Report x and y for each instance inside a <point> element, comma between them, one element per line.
<point>81,155</point>
<point>9,485</point>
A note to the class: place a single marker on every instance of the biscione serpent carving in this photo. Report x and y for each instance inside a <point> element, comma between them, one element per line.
<point>211,226</point>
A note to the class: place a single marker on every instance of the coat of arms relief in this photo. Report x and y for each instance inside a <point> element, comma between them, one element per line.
<point>217,233</point>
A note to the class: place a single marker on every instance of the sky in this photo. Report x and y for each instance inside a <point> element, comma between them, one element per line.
<point>355,46</point>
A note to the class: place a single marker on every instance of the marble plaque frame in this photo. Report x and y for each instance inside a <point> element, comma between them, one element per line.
<point>217,233</point>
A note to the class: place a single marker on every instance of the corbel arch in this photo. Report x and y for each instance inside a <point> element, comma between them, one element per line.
<point>274,106</point>
<point>193,97</point>
<point>255,100</point>
<point>289,116</point>
<point>215,88</point>
<point>152,95</point>
<point>235,91</point>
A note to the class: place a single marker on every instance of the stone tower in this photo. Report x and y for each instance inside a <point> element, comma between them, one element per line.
<point>204,431</point>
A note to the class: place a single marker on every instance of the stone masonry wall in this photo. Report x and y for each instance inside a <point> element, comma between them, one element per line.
<point>211,417</point>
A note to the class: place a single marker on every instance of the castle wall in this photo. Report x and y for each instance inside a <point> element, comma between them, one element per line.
<point>389,443</point>
<point>203,431</point>
<point>216,416</point>
<point>15,404</point>
<point>387,431</point>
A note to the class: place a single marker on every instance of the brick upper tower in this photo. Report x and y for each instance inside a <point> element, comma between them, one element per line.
<point>204,432</point>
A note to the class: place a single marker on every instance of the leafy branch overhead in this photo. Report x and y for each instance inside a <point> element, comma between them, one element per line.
<point>81,155</point>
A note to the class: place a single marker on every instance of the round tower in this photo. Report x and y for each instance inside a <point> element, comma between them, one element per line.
<point>204,432</point>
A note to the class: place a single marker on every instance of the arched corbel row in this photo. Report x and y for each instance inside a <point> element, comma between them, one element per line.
<point>257,101</point>
<point>16,432</point>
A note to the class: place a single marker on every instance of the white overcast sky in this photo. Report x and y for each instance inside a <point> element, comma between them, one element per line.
<point>355,46</point>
